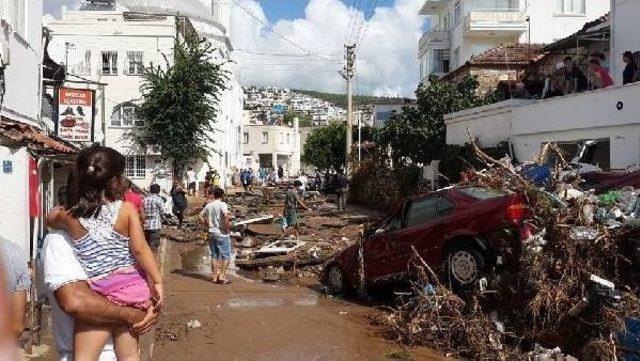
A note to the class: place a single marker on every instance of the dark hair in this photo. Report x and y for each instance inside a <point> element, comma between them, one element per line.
<point>568,58</point>
<point>218,193</point>
<point>629,55</point>
<point>297,183</point>
<point>97,175</point>
<point>155,189</point>
<point>594,61</point>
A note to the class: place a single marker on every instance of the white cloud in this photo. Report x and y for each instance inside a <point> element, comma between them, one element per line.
<point>387,59</point>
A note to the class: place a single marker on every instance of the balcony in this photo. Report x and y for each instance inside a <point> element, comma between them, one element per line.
<point>433,7</point>
<point>495,22</point>
<point>434,38</point>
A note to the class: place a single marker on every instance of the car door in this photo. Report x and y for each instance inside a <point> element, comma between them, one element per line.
<point>423,229</point>
<point>376,249</point>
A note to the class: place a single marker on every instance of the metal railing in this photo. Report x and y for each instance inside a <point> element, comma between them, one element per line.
<point>435,36</point>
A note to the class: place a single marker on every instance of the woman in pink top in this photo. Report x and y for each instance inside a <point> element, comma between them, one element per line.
<point>600,78</point>
<point>133,197</point>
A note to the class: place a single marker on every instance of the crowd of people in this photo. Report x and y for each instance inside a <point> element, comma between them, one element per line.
<point>568,78</point>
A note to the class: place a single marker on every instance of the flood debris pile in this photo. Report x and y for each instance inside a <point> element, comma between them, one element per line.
<point>575,284</point>
<point>260,245</point>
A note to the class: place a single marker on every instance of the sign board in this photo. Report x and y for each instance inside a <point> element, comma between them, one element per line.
<point>279,108</point>
<point>7,167</point>
<point>75,114</point>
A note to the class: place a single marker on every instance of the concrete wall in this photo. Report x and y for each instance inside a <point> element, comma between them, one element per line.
<point>582,116</point>
<point>625,34</point>
<point>14,192</point>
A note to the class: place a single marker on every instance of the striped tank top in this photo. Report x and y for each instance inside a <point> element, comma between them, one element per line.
<point>103,250</point>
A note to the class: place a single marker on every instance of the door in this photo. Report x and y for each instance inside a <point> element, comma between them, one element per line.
<point>423,228</point>
<point>376,249</point>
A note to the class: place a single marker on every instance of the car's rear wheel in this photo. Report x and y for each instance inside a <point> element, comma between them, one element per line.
<point>465,265</point>
<point>335,280</point>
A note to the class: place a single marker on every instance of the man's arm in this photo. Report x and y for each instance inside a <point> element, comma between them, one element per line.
<point>19,310</point>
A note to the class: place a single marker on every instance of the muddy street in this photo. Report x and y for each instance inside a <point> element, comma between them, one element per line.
<point>252,320</point>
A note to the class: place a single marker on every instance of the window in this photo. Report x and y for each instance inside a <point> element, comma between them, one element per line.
<point>422,211</point>
<point>281,137</point>
<point>493,5</point>
<point>288,138</point>
<point>441,60</point>
<point>457,14</point>
<point>570,7</point>
<point>135,166</point>
<point>482,193</point>
<point>125,116</point>
<point>14,12</point>
<point>83,68</point>
<point>265,137</point>
<point>245,138</point>
<point>109,63</point>
<point>134,63</point>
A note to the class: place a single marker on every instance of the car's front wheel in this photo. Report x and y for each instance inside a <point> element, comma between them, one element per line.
<point>335,280</point>
<point>465,265</point>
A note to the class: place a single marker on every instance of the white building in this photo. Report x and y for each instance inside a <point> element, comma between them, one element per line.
<point>609,116</point>
<point>27,152</point>
<point>116,38</point>
<point>461,29</point>
<point>272,146</point>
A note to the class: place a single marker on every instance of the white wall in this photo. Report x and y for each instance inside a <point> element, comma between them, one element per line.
<point>22,76</point>
<point>625,33</point>
<point>14,192</point>
<point>592,115</point>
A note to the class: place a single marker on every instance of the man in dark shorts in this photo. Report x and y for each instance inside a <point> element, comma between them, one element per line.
<point>292,201</point>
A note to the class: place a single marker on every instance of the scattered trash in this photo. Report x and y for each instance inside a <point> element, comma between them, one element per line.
<point>194,324</point>
<point>279,248</point>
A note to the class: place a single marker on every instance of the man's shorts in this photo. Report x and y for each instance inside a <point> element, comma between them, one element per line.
<point>290,219</point>
<point>220,246</point>
<point>191,186</point>
<point>153,238</point>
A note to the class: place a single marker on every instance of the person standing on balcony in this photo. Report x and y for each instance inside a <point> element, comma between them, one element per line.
<point>630,73</point>
<point>598,75</point>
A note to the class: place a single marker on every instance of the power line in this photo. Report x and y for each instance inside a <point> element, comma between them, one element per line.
<point>271,29</point>
<point>372,10</point>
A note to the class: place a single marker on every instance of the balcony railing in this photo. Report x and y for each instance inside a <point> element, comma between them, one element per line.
<point>434,37</point>
<point>495,20</point>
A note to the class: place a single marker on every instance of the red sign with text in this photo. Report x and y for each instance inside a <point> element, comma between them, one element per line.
<point>75,114</point>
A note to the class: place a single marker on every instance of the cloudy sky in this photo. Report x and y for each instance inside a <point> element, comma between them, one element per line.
<point>387,39</point>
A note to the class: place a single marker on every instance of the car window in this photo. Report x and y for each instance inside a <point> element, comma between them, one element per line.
<point>481,193</point>
<point>422,210</point>
<point>445,207</point>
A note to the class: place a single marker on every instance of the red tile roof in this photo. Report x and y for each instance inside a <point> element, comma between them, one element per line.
<point>34,137</point>
<point>513,54</point>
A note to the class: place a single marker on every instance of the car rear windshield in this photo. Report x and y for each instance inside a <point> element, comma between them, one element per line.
<point>482,193</point>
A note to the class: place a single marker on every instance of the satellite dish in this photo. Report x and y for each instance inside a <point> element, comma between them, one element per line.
<point>63,51</point>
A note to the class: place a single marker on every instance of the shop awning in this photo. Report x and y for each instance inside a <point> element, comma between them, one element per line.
<point>34,138</point>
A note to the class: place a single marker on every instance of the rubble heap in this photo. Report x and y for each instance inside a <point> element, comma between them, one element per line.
<point>575,284</point>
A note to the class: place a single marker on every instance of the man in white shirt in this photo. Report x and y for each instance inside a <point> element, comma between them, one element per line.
<point>70,297</point>
<point>216,216</point>
<point>191,181</point>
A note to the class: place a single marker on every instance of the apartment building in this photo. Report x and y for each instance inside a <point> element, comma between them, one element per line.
<point>118,39</point>
<point>272,146</point>
<point>461,29</point>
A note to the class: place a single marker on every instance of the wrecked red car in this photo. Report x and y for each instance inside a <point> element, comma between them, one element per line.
<point>460,232</point>
<point>603,182</point>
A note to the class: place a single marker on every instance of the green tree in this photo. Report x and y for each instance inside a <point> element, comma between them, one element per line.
<point>417,134</point>
<point>325,147</point>
<point>179,102</point>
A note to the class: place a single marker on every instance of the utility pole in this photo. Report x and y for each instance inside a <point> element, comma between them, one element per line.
<point>348,74</point>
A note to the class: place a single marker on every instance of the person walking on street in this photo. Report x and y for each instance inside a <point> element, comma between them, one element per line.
<point>216,216</point>
<point>153,211</point>
<point>342,189</point>
<point>290,216</point>
<point>180,203</point>
<point>280,173</point>
<point>191,182</point>
<point>132,196</point>
<point>14,265</point>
